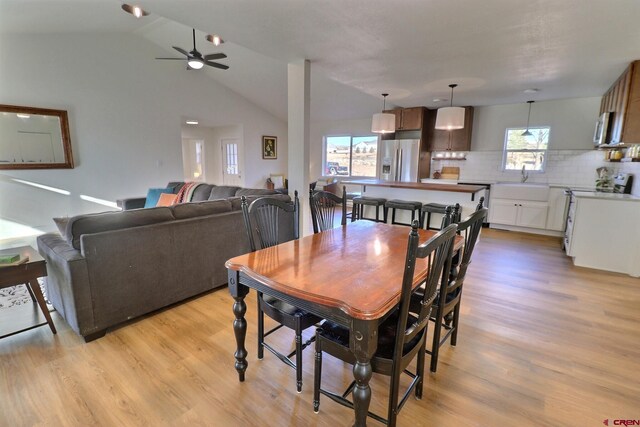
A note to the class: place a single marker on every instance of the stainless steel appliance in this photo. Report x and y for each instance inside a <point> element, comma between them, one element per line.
<point>399,160</point>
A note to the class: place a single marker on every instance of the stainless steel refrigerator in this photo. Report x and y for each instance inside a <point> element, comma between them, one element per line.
<point>399,160</point>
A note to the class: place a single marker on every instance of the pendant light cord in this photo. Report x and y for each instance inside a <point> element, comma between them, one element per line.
<point>452,86</point>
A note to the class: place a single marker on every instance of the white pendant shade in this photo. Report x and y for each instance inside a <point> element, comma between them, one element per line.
<point>383,123</point>
<point>450,118</point>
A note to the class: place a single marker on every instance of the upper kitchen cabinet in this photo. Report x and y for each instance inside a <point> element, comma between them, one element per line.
<point>451,140</point>
<point>409,118</point>
<point>623,100</point>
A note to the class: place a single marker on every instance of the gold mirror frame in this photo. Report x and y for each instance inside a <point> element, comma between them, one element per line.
<point>64,143</point>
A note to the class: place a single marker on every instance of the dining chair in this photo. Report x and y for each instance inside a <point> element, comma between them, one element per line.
<point>447,304</point>
<point>323,209</point>
<point>262,219</point>
<point>401,337</point>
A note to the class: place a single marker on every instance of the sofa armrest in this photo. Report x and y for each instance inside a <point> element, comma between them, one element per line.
<point>131,203</point>
<point>67,282</point>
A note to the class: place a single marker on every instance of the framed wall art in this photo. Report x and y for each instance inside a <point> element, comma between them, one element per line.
<point>269,147</point>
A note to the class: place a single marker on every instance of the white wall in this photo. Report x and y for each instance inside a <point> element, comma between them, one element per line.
<point>125,112</point>
<point>571,159</point>
<point>572,123</point>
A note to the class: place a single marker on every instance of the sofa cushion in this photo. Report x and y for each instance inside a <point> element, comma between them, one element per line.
<point>254,192</point>
<point>222,192</point>
<point>189,210</point>
<point>153,195</point>
<point>107,221</point>
<point>175,186</point>
<point>167,199</point>
<point>202,192</point>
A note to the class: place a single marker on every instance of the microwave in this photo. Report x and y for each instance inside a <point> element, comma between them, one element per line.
<point>603,129</point>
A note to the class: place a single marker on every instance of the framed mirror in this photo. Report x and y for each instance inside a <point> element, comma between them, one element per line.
<point>34,138</point>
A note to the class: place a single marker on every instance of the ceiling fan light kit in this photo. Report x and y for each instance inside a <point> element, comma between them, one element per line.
<point>450,118</point>
<point>134,10</point>
<point>195,60</point>
<point>526,132</point>
<point>195,63</point>
<point>383,122</point>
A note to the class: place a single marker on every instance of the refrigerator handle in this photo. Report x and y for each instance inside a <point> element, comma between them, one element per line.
<point>395,167</point>
<point>400,160</point>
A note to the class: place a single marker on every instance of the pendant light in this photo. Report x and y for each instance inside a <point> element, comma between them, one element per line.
<point>450,118</point>
<point>526,132</point>
<point>383,122</point>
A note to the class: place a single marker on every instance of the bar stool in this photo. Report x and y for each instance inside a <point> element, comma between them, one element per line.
<point>359,202</point>
<point>428,209</point>
<point>350,197</point>
<point>404,205</point>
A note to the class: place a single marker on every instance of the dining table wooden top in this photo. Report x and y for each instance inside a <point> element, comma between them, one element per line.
<point>357,268</point>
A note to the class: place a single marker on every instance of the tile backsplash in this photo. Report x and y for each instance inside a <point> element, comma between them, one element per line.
<point>570,167</point>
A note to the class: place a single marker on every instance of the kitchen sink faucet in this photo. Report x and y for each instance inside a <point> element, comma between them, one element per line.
<point>525,175</point>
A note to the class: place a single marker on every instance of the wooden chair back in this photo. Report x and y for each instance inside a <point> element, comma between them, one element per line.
<point>323,206</point>
<point>262,220</point>
<point>438,251</point>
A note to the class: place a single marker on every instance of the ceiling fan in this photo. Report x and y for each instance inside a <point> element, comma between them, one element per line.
<point>195,60</point>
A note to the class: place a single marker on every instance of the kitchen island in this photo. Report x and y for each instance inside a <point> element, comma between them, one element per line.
<point>447,194</point>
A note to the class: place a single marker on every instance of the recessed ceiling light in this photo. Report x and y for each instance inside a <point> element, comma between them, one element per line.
<point>192,122</point>
<point>439,99</point>
<point>215,39</point>
<point>23,116</point>
<point>532,90</point>
<point>136,11</point>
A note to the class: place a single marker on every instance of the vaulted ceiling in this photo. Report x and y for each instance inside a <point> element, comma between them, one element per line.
<point>412,49</point>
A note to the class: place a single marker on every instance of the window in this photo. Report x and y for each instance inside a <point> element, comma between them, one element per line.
<point>350,155</point>
<point>529,152</point>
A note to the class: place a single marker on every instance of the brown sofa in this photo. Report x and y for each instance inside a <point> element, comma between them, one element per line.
<point>110,267</point>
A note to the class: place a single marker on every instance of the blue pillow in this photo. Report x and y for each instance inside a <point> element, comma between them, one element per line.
<point>153,195</point>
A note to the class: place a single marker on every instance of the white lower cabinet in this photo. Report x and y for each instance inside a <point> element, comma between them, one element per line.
<point>521,213</point>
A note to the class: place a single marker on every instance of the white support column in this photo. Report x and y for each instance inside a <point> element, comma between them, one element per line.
<point>299,92</point>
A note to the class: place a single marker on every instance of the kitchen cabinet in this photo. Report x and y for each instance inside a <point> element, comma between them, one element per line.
<point>623,100</point>
<point>556,215</point>
<point>451,140</point>
<point>408,118</point>
<point>520,213</point>
<point>594,240</point>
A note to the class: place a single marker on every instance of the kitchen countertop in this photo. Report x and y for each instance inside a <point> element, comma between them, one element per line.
<point>606,196</point>
<point>454,188</point>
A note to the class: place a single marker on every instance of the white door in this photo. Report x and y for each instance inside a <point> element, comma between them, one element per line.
<point>231,161</point>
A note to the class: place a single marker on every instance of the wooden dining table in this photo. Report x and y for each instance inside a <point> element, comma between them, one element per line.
<point>351,275</point>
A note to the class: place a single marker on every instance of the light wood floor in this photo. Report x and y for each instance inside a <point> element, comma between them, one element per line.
<point>541,343</point>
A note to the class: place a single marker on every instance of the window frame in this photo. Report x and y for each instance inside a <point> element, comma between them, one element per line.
<point>351,137</point>
<point>506,151</point>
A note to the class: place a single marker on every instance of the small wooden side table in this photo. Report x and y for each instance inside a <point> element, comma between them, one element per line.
<point>26,274</point>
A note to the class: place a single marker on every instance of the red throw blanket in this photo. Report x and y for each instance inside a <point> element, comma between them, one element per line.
<point>186,192</point>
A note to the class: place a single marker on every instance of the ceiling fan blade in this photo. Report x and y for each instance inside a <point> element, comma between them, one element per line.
<point>175,59</point>
<point>214,56</point>
<point>181,50</point>
<point>216,65</point>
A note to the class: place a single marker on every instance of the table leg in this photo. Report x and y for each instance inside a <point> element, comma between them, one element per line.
<point>35,290</point>
<point>363,343</point>
<point>238,292</point>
